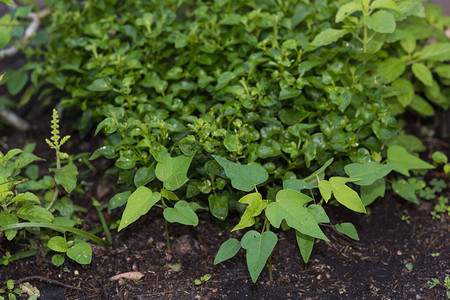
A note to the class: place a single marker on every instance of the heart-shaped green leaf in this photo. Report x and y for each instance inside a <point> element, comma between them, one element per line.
<point>296,216</point>
<point>181,213</point>
<point>368,172</point>
<point>243,177</point>
<point>259,247</point>
<point>173,171</point>
<point>405,161</point>
<point>81,253</point>
<point>138,204</point>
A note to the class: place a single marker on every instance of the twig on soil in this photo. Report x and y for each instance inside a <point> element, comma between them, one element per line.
<point>16,121</point>
<point>52,281</point>
<point>29,32</point>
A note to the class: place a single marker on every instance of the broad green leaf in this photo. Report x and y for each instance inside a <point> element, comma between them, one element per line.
<point>67,177</point>
<point>435,52</point>
<point>218,205</point>
<point>227,250</point>
<point>255,206</point>
<point>439,157</point>
<point>305,244</point>
<point>17,82</point>
<point>408,43</point>
<point>138,204</point>
<point>58,244</point>
<point>296,184</point>
<point>422,73</point>
<point>232,143</point>
<point>34,213</point>
<point>405,189</point>
<point>404,90</point>
<point>318,213</point>
<point>118,200</point>
<point>405,161</point>
<point>325,189</point>
<point>8,219</point>
<point>443,71</point>
<point>259,247</point>
<point>173,171</point>
<point>387,4</point>
<point>181,213</point>
<point>100,85</point>
<point>301,198</point>
<point>57,260</point>
<point>22,11</point>
<point>296,216</point>
<point>11,153</point>
<point>381,21</point>
<point>346,10</point>
<point>243,177</point>
<point>421,106</point>
<point>348,229</point>
<point>27,196</point>
<point>390,69</point>
<point>328,36</point>
<point>371,192</point>
<point>143,176</point>
<point>345,195</point>
<point>81,253</point>
<point>368,172</point>
<point>5,33</point>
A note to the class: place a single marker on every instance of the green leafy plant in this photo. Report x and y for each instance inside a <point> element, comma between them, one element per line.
<point>446,284</point>
<point>202,279</point>
<point>304,85</point>
<point>172,172</point>
<point>296,82</point>
<point>37,201</point>
<point>12,292</point>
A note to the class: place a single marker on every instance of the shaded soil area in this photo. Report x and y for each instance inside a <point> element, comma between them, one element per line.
<point>393,259</point>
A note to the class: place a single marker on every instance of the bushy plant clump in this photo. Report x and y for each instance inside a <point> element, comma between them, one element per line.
<point>283,84</point>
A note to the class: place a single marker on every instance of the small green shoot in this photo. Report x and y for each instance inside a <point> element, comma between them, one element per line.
<point>202,279</point>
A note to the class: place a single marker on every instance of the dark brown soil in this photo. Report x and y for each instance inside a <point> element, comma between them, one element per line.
<point>373,268</point>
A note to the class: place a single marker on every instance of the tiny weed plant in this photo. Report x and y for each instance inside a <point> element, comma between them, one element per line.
<point>434,282</point>
<point>13,293</point>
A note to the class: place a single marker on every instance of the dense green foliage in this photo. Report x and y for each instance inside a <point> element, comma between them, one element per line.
<point>286,85</point>
<point>210,97</point>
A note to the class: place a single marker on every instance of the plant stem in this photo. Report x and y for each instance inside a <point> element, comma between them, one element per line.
<point>56,192</point>
<point>104,225</point>
<point>166,228</point>
<point>269,261</point>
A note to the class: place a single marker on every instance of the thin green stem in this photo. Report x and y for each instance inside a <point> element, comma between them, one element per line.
<point>57,228</point>
<point>104,225</point>
<point>56,191</point>
<point>269,261</point>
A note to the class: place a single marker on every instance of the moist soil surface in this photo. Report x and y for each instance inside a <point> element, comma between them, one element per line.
<point>394,258</point>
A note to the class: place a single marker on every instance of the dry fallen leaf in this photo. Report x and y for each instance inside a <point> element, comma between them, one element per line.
<point>128,275</point>
<point>29,289</point>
